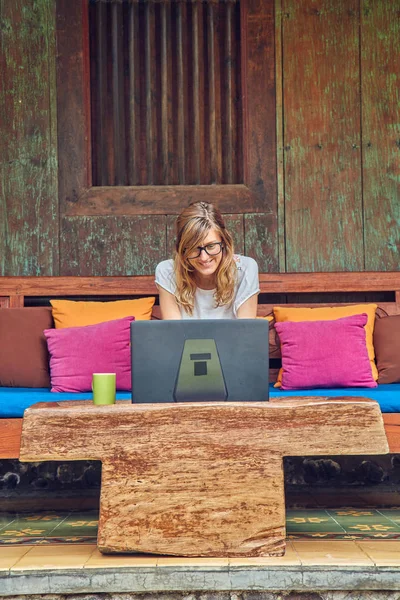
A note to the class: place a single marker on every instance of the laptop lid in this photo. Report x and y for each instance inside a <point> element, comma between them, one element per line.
<point>193,360</point>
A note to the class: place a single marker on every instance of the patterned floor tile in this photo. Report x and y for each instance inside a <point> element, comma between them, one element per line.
<point>6,520</point>
<point>311,521</point>
<point>32,525</point>
<point>393,514</point>
<point>364,521</point>
<point>78,524</point>
<point>80,527</point>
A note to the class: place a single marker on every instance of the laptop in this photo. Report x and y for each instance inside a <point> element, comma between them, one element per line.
<point>200,360</point>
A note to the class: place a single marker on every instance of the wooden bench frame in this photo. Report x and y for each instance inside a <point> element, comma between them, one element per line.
<point>284,286</point>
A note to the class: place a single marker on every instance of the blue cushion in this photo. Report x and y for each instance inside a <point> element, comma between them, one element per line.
<point>387,395</point>
<point>13,401</point>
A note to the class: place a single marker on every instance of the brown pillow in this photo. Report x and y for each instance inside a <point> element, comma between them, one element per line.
<point>387,348</point>
<point>24,359</point>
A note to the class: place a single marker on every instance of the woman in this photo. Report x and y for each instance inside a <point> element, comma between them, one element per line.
<point>206,280</point>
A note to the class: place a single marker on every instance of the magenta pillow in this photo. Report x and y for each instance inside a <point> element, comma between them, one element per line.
<point>325,354</point>
<point>78,352</point>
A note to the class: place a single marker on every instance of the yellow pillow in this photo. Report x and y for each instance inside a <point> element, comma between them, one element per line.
<point>71,313</point>
<point>330,313</point>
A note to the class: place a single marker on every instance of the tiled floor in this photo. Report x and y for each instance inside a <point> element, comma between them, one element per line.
<point>298,553</point>
<point>363,543</point>
<point>52,528</point>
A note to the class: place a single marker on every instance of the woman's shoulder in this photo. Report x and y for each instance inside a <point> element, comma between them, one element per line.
<point>245,264</point>
<point>165,267</point>
<point>165,275</point>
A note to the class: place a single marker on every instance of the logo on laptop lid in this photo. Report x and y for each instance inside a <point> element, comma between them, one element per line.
<point>200,377</point>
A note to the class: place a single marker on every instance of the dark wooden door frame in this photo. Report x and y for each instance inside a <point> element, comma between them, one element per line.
<point>77,195</point>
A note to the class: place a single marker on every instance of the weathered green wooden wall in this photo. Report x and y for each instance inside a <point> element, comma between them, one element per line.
<point>28,144</point>
<point>341,134</point>
<point>338,131</point>
<point>380,90</point>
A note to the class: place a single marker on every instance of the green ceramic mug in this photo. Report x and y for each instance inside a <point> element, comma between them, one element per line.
<point>103,386</point>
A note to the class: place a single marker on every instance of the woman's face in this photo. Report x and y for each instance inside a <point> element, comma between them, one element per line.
<point>205,264</point>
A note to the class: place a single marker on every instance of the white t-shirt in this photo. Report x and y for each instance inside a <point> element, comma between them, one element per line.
<point>247,285</point>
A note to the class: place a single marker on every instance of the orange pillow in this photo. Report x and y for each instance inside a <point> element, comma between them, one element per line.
<point>330,313</point>
<point>71,313</point>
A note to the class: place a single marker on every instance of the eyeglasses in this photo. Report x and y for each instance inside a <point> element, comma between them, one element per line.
<point>211,249</point>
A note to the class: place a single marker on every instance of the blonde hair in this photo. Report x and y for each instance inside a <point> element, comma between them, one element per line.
<point>192,226</point>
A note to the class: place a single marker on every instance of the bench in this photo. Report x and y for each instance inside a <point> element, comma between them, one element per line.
<point>292,289</point>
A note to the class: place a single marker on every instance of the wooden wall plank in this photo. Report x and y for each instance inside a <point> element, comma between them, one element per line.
<point>321,95</point>
<point>258,89</point>
<point>280,181</point>
<point>380,35</point>
<point>111,245</point>
<point>72,107</point>
<point>28,188</point>
<point>261,241</point>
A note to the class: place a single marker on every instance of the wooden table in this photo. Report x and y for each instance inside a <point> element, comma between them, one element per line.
<point>200,479</point>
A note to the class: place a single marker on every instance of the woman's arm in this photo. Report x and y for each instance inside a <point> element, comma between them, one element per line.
<point>248,310</point>
<point>168,305</point>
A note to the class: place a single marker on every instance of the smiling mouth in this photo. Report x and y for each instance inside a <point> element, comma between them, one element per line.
<point>206,264</point>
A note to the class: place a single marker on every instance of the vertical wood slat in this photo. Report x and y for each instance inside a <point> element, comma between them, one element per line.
<point>171,167</point>
<point>227,150</point>
<point>244,76</point>
<point>280,179</point>
<point>101,97</point>
<point>196,92</point>
<point>164,92</point>
<point>237,123</point>
<point>259,128</point>
<point>219,83</point>
<point>133,83</point>
<point>149,25</point>
<point>117,92</point>
<point>211,83</point>
<point>181,84</point>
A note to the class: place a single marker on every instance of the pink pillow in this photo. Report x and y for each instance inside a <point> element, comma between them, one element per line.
<point>325,353</point>
<point>78,352</point>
